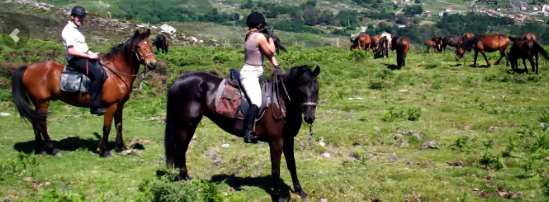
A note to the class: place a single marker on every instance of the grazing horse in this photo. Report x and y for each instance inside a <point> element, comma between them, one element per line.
<point>526,49</point>
<point>373,45</point>
<point>451,40</point>
<point>382,49</point>
<point>197,94</point>
<point>388,36</point>
<point>432,45</point>
<point>49,80</point>
<point>362,42</point>
<point>161,43</point>
<point>483,44</point>
<point>402,45</point>
<point>528,36</point>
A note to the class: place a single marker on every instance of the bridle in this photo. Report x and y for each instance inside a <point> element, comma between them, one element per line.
<point>302,105</point>
<point>140,59</point>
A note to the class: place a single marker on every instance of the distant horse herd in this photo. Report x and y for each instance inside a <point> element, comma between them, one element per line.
<point>524,47</point>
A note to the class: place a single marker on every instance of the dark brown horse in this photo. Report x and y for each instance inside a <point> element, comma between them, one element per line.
<point>41,82</point>
<point>161,43</point>
<point>197,94</point>
<point>382,49</point>
<point>483,44</point>
<point>432,45</point>
<point>451,40</point>
<point>362,42</point>
<point>528,36</point>
<point>401,45</point>
<point>526,49</point>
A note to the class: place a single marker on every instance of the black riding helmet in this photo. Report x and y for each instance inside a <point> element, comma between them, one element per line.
<point>255,19</point>
<point>78,11</point>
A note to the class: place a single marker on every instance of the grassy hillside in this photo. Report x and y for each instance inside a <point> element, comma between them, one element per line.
<point>373,121</point>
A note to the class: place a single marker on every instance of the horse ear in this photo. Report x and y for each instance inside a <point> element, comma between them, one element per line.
<point>316,71</point>
<point>299,71</point>
<point>148,33</point>
<point>136,32</point>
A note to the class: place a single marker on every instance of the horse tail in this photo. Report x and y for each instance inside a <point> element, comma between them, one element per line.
<point>20,98</point>
<point>169,144</point>
<point>400,52</point>
<point>541,50</point>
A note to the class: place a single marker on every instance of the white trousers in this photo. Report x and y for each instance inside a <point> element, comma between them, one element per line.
<point>249,78</point>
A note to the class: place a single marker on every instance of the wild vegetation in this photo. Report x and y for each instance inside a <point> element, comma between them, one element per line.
<point>435,130</point>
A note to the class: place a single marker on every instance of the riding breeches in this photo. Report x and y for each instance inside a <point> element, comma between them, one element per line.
<point>249,78</point>
<point>93,72</point>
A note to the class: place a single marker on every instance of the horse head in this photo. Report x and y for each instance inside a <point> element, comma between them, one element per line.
<point>303,89</point>
<point>354,42</point>
<point>142,47</point>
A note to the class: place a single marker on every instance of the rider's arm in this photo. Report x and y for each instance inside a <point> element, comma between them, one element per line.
<point>268,48</point>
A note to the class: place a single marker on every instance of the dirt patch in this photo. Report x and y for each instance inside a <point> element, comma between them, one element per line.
<point>8,68</point>
<point>4,83</point>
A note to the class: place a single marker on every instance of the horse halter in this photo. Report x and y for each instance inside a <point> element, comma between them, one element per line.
<point>142,59</point>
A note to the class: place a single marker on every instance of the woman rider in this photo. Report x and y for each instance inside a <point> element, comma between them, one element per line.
<point>255,47</point>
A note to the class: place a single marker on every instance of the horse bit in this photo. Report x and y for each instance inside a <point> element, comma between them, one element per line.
<point>309,104</point>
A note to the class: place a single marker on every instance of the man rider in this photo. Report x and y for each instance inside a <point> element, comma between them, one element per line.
<point>81,58</point>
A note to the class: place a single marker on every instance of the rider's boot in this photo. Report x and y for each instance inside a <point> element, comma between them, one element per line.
<point>97,87</point>
<point>250,136</point>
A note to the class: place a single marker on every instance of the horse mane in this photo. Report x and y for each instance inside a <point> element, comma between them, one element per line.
<point>126,47</point>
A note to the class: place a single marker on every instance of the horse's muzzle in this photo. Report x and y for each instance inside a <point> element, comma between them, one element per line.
<point>151,65</point>
<point>310,119</point>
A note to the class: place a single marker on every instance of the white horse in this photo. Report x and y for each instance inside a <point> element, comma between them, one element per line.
<point>385,34</point>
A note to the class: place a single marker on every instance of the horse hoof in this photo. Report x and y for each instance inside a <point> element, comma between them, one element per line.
<point>120,148</point>
<point>105,154</point>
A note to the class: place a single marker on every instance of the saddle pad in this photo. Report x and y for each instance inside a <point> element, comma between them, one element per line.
<point>73,81</point>
<point>227,100</point>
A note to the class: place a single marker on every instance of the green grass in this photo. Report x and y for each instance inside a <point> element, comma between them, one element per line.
<point>484,118</point>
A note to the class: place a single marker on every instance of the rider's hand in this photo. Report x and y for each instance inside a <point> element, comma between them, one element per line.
<point>278,70</point>
<point>93,55</point>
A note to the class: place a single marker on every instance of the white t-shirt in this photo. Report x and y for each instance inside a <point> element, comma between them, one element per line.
<point>72,36</point>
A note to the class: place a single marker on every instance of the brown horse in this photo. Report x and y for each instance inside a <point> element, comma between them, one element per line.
<point>483,44</point>
<point>382,49</point>
<point>43,82</point>
<point>402,45</point>
<point>529,36</point>
<point>432,45</point>
<point>468,35</point>
<point>161,43</point>
<point>526,49</point>
<point>362,42</point>
<point>288,99</point>
<point>373,45</point>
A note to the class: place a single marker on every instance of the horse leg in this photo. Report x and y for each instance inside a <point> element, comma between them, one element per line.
<point>532,63</point>
<point>42,127</point>
<point>119,145</point>
<point>537,62</point>
<point>276,152</point>
<point>183,136</point>
<point>475,60</point>
<point>107,122</point>
<point>485,58</point>
<point>38,142</point>
<point>525,67</point>
<point>290,162</point>
<point>502,53</point>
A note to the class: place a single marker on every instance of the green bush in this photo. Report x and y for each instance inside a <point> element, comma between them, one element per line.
<point>166,191</point>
